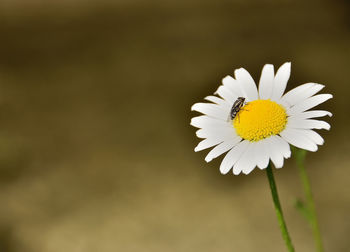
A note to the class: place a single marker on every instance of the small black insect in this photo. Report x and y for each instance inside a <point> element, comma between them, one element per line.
<point>236,107</point>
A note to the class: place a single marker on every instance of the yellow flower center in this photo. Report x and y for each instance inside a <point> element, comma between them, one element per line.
<point>260,119</point>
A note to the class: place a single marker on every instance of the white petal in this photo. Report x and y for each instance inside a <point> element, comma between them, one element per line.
<point>293,137</point>
<point>232,156</point>
<point>226,94</point>
<point>280,82</point>
<point>266,82</point>
<point>247,84</point>
<point>232,84</point>
<point>309,103</point>
<point>301,93</point>
<point>218,101</point>
<point>312,135</point>
<point>307,124</point>
<point>206,121</point>
<point>253,159</point>
<point>284,147</point>
<point>295,92</point>
<point>311,114</point>
<point>219,132</point>
<point>274,148</point>
<point>246,162</point>
<point>262,154</point>
<point>207,143</point>
<point>222,148</point>
<point>210,110</point>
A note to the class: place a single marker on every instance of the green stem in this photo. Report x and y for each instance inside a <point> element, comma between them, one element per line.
<point>278,209</point>
<point>309,199</point>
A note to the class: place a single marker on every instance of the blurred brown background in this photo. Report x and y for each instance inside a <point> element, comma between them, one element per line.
<point>96,150</point>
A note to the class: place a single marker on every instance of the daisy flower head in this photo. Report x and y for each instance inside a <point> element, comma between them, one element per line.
<point>256,125</point>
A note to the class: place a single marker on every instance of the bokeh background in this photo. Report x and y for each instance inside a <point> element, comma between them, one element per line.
<point>96,150</point>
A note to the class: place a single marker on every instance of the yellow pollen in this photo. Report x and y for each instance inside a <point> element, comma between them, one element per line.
<point>260,119</point>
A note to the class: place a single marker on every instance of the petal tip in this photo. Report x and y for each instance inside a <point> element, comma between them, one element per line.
<point>328,96</point>
<point>247,172</point>
<point>314,149</point>
<point>207,97</point>
<point>223,172</point>
<point>236,172</point>
<point>193,107</point>
<point>326,126</point>
<point>239,70</point>
<point>191,122</point>
<point>227,78</point>
<point>286,66</point>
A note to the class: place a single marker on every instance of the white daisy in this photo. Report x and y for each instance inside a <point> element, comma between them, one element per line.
<point>267,123</point>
